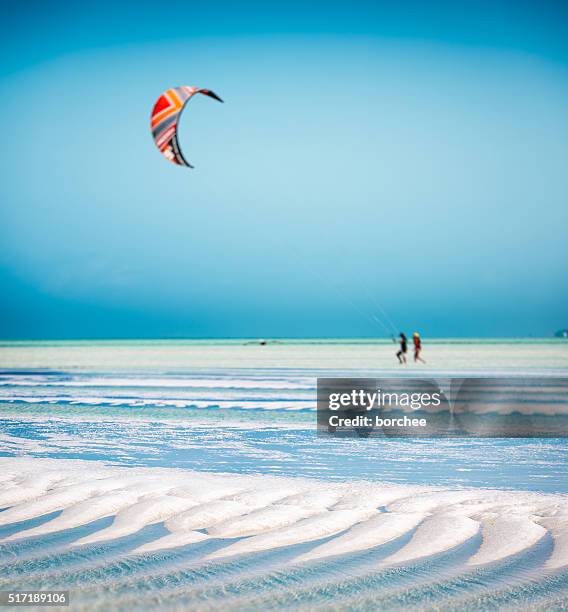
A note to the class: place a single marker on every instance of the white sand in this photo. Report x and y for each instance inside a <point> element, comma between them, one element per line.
<point>378,530</point>
<point>435,535</point>
<point>268,512</point>
<point>505,536</point>
<point>320,526</point>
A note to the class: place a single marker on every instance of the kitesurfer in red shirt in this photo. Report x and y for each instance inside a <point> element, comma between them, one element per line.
<point>417,347</point>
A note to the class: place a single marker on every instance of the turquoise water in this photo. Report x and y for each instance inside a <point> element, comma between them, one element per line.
<point>225,407</point>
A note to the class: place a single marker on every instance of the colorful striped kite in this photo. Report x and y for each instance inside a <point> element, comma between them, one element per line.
<point>165,117</point>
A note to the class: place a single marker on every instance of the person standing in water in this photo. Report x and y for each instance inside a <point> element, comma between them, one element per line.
<point>417,347</point>
<point>403,348</point>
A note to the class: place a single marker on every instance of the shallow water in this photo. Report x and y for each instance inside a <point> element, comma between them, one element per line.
<point>289,450</point>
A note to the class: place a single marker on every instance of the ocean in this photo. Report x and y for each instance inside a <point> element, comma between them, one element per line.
<point>189,475</point>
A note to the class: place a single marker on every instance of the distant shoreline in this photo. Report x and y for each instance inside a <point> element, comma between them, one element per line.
<point>271,341</point>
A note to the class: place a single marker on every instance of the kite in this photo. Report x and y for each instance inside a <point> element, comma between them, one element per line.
<point>164,120</point>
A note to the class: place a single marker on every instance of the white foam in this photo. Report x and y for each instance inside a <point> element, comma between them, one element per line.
<point>166,382</point>
<point>242,404</point>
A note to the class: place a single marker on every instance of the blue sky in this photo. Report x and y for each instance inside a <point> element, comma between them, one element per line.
<point>409,157</point>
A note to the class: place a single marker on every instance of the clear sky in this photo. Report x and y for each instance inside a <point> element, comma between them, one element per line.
<point>404,156</point>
